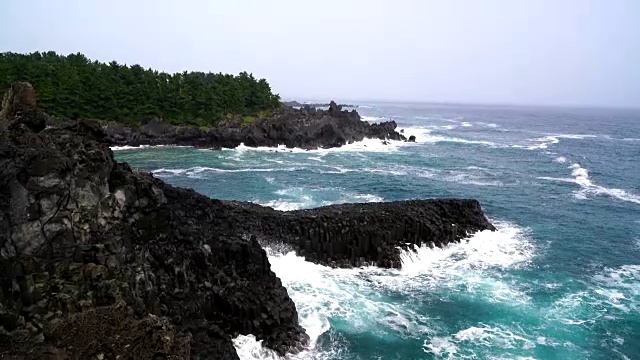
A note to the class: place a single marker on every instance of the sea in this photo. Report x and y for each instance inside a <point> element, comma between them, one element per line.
<point>560,279</point>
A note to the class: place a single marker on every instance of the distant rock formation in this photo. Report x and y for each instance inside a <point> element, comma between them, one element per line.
<point>316,105</point>
<point>306,128</point>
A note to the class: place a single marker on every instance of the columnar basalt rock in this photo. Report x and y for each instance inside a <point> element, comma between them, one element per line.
<point>349,235</point>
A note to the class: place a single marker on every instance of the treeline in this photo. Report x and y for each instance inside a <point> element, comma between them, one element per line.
<point>75,87</point>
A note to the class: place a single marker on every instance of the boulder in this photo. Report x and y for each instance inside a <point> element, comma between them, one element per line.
<point>412,138</point>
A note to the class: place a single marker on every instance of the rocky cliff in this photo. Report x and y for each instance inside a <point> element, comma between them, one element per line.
<point>306,128</point>
<point>101,262</point>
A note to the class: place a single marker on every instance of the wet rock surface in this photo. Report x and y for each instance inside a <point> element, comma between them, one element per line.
<point>348,235</point>
<point>306,128</point>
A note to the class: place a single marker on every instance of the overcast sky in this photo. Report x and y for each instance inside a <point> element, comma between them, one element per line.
<point>571,52</point>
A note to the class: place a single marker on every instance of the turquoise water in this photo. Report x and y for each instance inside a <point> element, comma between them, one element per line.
<point>559,280</point>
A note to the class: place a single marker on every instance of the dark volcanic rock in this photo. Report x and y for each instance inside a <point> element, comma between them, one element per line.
<point>97,259</point>
<point>307,128</point>
<point>412,138</point>
<point>357,234</point>
<point>19,108</point>
<point>315,105</point>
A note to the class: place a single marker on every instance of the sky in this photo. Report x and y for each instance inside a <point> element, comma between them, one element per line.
<point>560,52</point>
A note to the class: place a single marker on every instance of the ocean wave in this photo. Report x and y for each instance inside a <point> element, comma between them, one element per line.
<point>200,170</point>
<point>456,176</point>
<point>544,142</point>
<point>296,198</point>
<point>352,295</point>
<point>479,336</point>
<point>143,147</point>
<point>366,145</point>
<point>506,248</point>
<point>610,296</point>
<point>588,187</point>
<point>432,138</point>
<point>373,119</point>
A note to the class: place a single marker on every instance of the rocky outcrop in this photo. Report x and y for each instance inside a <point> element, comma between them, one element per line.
<point>100,262</point>
<point>349,235</point>
<point>295,103</point>
<point>19,108</point>
<point>307,128</point>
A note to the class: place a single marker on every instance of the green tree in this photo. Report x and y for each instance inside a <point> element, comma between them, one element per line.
<point>74,86</point>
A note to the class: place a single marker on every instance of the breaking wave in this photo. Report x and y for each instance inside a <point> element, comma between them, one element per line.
<point>352,296</point>
<point>588,187</point>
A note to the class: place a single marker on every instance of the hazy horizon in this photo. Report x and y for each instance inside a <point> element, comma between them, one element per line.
<point>571,53</point>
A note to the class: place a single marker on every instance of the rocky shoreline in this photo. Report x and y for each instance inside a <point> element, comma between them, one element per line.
<point>102,262</point>
<point>295,103</point>
<point>305,128</point>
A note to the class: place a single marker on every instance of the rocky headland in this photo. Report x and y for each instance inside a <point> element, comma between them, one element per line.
<point>306,128</point>
<point>102,262</point>
<point>295,103</point>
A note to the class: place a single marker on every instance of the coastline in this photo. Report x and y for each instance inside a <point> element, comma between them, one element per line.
<point>95,251</point>
<point>307,128</point>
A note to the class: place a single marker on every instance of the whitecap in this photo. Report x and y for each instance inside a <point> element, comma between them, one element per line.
<point>432,138</point>
<point>372,119</point>
<point>143,147</point>
<point>560,159</point>
<point>544,142</point>
<point>581,177</point>
<point>366,145</point>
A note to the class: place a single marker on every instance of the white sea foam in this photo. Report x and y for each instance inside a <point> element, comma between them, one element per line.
<point>352,295</point>
<point>587,187</point>
<point>143,147</point>
<point>199,171</point>
<point>544,142</point>
<point>296,198</point>
<point>366,145</point>
<point>434,138</point>
<point>560,159</point>
<point>373,119</point>
<point>455,176</point>
<point>611,294</point>
<point>489,337</point>
<point>466,124</point>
